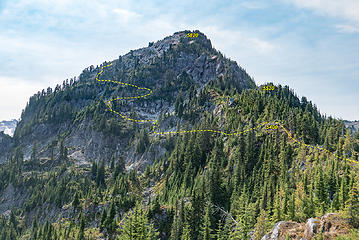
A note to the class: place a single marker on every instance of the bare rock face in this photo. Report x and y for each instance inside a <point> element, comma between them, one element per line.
<point>311,228</point>
<point>10,198</point>
<point>331,225</point>
<point>281,229</point>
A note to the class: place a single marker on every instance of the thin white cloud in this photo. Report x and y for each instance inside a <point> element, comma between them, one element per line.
<point>19,44</point>
<point>126,15</point>
<point>230,41</point>
<point>262,46</point>
<point>253,4</point>
<point>347,28</point>
<point>43,59</point>
<point>15,92</point>
<point>347,9</point>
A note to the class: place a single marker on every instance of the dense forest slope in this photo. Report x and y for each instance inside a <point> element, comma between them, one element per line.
<point>76,170</point>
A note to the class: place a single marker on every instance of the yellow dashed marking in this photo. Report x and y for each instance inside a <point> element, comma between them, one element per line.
<point>155,122</point>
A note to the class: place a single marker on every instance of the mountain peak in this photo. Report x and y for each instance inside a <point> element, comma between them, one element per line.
<point>176,67</point>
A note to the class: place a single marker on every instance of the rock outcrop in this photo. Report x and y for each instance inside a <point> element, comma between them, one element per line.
<point>330,226</point>
<point>283,228</point>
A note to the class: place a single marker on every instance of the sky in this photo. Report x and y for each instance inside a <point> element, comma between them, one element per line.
<point>310,45</point>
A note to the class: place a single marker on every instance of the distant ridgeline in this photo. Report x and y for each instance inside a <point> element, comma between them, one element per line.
<point>353,126</point>
<point>8,127</point>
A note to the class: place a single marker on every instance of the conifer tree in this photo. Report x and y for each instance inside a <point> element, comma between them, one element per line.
<point>262,225</point>
<point>285,202</point>
<point>240,230</point>
<point>110,222</point>
<point>12,220</point>
<point>194,216</point>
<point>94,170</point>
<point>137,226</point>
<point>320,190</point>
<point>120,167</point>
<point>76,201</point>
<point>221,233</point>
<point>34,152</point>
<point>177,225</point>
<point>216,192</point>
<point>174,228</point>
<point>343,194</point>
<point>81,234</point>
<point>301,203</point>
<point>63,151</point>
<point>186,235</point>
<point>103,219</point>
<point>277,216</point>
<point>352,204</point>
<point>207,231</point>
<point>291,207</point>
<point>100,175</point>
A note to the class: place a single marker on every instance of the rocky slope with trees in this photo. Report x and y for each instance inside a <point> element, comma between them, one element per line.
<point>76,170</point>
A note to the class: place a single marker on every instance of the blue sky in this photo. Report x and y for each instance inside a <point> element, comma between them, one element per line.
<point>310,45</point>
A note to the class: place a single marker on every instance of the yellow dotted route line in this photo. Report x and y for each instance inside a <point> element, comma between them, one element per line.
<point>155,122</point>
<point>312,146</point>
